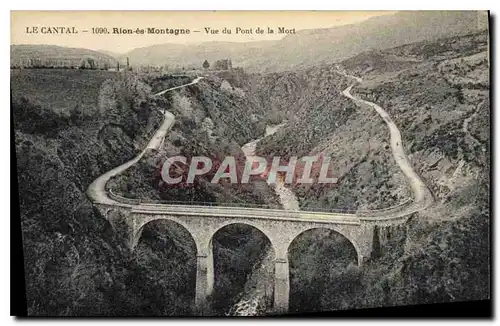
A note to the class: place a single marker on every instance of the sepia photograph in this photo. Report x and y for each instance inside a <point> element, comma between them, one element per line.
<point>250,163</point>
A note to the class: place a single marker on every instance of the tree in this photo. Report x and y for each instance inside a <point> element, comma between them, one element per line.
<point>76,114</point>
<point>206,65</point>
<point>223,64</point>
<point>84,64</point>
<point>92,63</point>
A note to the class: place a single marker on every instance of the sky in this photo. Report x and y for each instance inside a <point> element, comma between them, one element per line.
<point>24,23</point>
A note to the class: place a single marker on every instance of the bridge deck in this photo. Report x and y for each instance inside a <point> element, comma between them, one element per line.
<point>245,212</point>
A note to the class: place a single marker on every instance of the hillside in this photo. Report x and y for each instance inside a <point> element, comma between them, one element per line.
<point>310,48</point>
<point>442,105</point>
<point>46,86</point>
<point>322,121</point>
<point>74,263</point>
<point>438,95</point>
<point>211,121</point>
<point>50,56</point>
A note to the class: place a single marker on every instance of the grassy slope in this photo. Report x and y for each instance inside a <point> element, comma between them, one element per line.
<point>46,86</point>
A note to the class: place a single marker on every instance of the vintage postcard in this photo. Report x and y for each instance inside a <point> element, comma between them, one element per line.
<point>232,163</point>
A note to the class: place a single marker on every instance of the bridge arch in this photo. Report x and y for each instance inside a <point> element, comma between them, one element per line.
<point>236,247</point>
<point>144,222</point>
<point>280,232</point>
<point>315,258</point>
<point>257,226</point>
<point>337,230</point>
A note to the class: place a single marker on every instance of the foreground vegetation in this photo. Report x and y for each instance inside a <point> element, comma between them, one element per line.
<point>74,264</point>
<point>436,92</point>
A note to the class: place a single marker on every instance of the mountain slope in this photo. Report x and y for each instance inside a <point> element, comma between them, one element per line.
<point>29,55</point>
<point>312,47</point>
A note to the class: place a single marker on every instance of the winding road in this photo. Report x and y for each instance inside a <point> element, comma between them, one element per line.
<point>195,81</point>
<point>97,189</point>
<point>254,299</point>
<point>286,197</point>
<point>254,295</point>
<point>418,187</point>
<point>421,195</point>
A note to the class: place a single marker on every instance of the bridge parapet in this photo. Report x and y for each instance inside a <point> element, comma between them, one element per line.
<point>170,203</point>
<point>121,199</point>
<point>389,212</point>
<point>394,213</point>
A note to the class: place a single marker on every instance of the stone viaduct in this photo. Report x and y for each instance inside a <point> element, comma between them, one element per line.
<point>279,226</point>
<point>129,216</point>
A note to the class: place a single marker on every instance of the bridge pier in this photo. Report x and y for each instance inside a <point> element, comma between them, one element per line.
<point>363,237</point>
<point>204,280</point>
<point>125,226</point>
<point>281,285</point>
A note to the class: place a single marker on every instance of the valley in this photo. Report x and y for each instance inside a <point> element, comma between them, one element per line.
<point>407,126</point>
